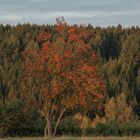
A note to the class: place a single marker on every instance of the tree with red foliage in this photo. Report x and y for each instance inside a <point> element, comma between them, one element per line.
<point>66,71</point>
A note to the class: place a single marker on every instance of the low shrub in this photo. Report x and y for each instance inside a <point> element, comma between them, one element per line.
<point>131,129</point>
<point>69,126</point>
<point>117,129</point>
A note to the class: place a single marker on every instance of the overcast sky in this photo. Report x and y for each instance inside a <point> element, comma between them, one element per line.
<point>96,12</point>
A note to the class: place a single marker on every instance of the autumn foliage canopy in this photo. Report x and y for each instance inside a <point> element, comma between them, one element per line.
<point>65,67</point>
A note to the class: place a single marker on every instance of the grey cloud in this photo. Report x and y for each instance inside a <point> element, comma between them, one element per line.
<point>105,12</point>
<point>64,5</point>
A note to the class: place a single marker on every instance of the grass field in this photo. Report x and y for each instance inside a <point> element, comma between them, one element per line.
<point>75,138</point>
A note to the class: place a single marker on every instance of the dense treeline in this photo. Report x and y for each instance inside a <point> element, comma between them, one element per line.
<point>118,52</point>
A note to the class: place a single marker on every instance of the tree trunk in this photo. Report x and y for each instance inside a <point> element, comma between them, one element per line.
<point>48,128</point>
<point>58,121</point>
<point>45,130</point>
<point>49,125</point>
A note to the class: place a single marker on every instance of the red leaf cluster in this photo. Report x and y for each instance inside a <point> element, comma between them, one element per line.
<point>65,67</point>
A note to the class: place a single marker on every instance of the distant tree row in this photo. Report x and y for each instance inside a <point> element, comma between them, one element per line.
<point>117,63</point>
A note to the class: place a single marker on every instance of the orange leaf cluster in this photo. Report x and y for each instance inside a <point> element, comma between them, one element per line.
<point>65,67</point>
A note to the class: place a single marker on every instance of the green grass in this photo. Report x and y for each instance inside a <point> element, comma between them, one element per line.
<point>74,138</point>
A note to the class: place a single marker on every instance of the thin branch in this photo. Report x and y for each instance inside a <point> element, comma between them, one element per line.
<point>59,118</point>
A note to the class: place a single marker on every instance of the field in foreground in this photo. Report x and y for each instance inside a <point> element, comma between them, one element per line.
<point>75,138</point>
